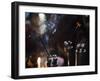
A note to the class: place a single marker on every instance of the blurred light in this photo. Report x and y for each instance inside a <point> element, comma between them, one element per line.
<point>42,19</point>
<point>83,44</point>
<point>78,45</point>
<point>84,50</point>
<point>65,43</point>
<point>39,62</point>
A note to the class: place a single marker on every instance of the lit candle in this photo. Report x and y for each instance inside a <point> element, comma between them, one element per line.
<point>39,62</point>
